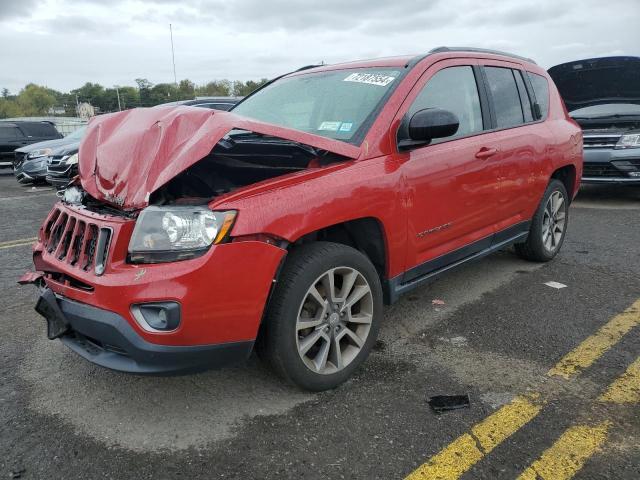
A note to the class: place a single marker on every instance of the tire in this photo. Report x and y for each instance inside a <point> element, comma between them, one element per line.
<point>299,331</point>
<point>541,246</point>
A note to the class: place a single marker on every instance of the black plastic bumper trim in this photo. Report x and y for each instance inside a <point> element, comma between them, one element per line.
<point>106,339</point>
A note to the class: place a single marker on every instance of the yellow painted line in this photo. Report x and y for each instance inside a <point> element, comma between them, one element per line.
<point>468,449</point>
<point>626,388</point>
<point>568,454</point>
<point>17,243</point>
<point>594,346</point>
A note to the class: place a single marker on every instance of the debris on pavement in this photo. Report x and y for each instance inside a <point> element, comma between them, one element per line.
<point>379,346</point>
<point>437,301</point>
<point>443,403</point>
<point>458,341</point>
<point>557,285</point>
<point>17,473</point>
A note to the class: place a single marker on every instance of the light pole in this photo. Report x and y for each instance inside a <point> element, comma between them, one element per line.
<point>173,57</point>
<point>118,95</point>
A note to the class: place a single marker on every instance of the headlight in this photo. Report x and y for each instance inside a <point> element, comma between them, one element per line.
<point>72,160</point>
<point>43,152</point>
<point>167,234</point>
<point>629,140</point>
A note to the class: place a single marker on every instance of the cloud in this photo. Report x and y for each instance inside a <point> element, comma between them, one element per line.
<point>17,8</point>
<point>64,43</point>
<point>81,24</point>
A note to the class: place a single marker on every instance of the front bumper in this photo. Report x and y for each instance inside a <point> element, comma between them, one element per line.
<point>606,166</point>
<point>31,170</point>
<point>222,294</point>
<point>59,180</point>
<point>107,339</point>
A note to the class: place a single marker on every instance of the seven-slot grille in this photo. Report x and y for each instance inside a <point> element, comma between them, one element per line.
<point>601,140</point>
<point>77,242</point>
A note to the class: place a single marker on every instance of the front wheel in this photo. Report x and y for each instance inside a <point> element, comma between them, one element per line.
<point>548,226</point>
<point>324,316</point>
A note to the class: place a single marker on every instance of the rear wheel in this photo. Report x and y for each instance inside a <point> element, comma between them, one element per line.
<point>324,316</point>
<point>548,226</point>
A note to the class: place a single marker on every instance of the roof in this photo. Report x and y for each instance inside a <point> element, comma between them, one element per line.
<point>218,99</point>
<point>406,60</point>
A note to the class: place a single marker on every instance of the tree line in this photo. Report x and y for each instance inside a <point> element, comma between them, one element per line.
<point>36,100</point>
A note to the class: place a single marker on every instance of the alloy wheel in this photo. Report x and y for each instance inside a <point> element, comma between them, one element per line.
<point>334,320</point>
<point>553,221</point>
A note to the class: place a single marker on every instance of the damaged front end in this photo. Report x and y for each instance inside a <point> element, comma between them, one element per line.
<point>108,255</point>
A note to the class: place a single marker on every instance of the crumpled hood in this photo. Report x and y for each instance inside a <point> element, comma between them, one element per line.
<point>126,156</point>
<point>596,81</point>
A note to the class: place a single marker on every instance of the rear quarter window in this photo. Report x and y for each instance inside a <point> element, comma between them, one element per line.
<point>541,91</point>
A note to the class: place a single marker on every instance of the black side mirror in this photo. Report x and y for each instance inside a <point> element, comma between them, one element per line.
<point>427,124</point>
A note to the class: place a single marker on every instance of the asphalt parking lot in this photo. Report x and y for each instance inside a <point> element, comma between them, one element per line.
<point>553,375</point>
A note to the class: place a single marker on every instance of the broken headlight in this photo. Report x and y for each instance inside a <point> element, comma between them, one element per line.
<point>167,234</point>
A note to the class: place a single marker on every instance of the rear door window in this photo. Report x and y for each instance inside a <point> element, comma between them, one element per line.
<point>45,130</point>
<point>506,99</point>
<point>453,89</point>
<point>541,91</point>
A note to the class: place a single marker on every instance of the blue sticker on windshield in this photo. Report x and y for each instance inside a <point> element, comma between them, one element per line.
<point>346,126</point>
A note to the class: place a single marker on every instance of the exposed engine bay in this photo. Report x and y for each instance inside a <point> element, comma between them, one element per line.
<point>240,159</point>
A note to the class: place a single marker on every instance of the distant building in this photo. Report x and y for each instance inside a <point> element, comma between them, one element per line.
<point>85,110</point>
<point>56,111</point>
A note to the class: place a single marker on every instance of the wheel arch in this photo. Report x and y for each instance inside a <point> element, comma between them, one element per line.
<point>365,234</point>
<point>567,175</point>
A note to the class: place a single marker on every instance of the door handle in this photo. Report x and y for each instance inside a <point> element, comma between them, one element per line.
<point>485,153</point>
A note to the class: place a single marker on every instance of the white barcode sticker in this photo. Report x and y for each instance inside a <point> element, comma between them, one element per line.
<point>370,78</point>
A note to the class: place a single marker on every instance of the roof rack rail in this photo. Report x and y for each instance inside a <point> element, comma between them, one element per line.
<point>480,50</point>
<point>307,67</point>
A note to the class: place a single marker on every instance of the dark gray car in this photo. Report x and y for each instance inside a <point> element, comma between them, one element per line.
<point>31,163</point>
<point>603,96</point>
<point>17,134</point>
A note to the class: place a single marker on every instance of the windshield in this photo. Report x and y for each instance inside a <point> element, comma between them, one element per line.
<point>77,134</point>
<point>338,104</point>
<point>607,110</point>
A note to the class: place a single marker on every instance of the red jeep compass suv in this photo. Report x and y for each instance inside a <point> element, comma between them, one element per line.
<point>192,236</point>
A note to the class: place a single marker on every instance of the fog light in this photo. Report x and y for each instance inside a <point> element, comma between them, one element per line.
<point>157,316</point>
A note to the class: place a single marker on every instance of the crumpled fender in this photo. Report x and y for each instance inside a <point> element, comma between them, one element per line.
<point>126,156</point>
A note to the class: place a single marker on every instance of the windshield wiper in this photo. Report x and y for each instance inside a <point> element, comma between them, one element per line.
<point>239,136</point>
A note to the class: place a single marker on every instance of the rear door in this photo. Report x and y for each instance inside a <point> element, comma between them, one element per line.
<point>522,141</point>
<point>451,183</point>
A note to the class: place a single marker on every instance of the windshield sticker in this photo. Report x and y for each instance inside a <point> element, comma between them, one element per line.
<point>370,78</point>
<point>330,126</point>
<point>346,126</point>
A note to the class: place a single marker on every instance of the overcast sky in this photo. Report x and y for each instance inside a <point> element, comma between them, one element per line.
<point>65,43</point>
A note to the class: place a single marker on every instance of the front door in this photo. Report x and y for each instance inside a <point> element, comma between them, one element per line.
<point>453,183</point>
